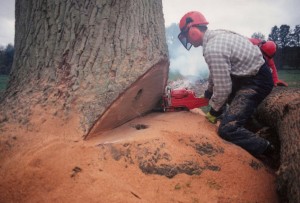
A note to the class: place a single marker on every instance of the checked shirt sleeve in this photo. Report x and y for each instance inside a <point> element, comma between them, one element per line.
<point>210,84</point>
<point>227,53</point>
<point>218,59</point>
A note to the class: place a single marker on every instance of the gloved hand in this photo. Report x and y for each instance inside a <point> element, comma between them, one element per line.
<point>213,115</point>
<point>281,83</point>
<point>208,94</point>
<point>212,119</point>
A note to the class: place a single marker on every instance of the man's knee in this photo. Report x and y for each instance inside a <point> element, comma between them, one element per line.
<point>225,131</point>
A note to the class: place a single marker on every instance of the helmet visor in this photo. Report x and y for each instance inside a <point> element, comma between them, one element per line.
<point>184,41</point>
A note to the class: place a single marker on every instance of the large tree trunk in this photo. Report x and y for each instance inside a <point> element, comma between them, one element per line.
<point>281,111</point>
<point>106,60</point>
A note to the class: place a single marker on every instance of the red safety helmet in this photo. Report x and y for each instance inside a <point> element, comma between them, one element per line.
<point>190,34</point>
<point>268,48</point>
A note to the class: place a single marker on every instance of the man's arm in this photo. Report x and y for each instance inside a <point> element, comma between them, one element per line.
<point>219,67</point>
<point>276,81</point>
<point>210,84</point>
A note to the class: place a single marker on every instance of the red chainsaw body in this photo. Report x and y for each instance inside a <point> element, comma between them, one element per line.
<point>182,99</point>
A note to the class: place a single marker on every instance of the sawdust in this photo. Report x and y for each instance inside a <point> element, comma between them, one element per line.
<point>161,157</point>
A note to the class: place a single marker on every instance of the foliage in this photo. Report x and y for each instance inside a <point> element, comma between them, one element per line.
<point>291,77</point>
<point>3,82</point>
<point>288,46</point>
<point>258,35</point>
<point>6,59</point>
<point>288,57</point>
<point>284,36</point>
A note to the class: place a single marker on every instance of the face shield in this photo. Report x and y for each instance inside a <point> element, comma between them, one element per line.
<point>184,41</point>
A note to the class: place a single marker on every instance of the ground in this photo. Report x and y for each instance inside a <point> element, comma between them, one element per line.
<point>159,157</point>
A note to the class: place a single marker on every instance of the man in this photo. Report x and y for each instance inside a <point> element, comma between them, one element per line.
<point>268,49</point>
<point>238,76</point>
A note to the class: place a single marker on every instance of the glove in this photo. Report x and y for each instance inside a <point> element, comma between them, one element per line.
<point>208,94</point>
<point>212,119</point>
<point>213,115</point>
<point>281,83</point>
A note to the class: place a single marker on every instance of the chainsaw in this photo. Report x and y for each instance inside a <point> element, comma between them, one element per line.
<point>181,99</point>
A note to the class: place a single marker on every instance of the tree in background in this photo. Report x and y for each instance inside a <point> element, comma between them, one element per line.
<point>285,37</point>
<point>297,35</point>
<point>258,35</point>
<point>288,42</point>
<point>6,59</point>
<point>275,36</point>
<point>294,37</point>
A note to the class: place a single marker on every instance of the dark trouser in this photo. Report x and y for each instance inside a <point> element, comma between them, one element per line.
<point>247,94</point>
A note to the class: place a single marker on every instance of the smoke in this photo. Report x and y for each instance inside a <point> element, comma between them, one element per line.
<point>189,63</point>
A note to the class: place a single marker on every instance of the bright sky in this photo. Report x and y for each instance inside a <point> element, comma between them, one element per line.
<point>242,16</point>
<point>7,22</point>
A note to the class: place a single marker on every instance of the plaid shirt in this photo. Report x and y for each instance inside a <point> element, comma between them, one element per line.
<point>228,53</point>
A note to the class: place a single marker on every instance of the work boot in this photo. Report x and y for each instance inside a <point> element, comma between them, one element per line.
<point>269,157</point>
<point>270,150</point>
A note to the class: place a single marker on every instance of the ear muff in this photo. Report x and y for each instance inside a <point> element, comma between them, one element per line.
<point>195,36</point>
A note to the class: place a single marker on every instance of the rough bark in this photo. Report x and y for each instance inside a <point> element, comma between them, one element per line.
<point>85,56</point>
<point>281,111</point>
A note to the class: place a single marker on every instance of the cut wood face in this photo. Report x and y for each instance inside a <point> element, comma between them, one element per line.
<point>140,98</point>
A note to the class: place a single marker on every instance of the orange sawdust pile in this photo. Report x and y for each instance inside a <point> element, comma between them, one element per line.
<point>160,157</point>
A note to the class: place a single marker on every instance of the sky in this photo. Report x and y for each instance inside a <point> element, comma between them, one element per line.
<point>242,16</point>
<point>7,22</point>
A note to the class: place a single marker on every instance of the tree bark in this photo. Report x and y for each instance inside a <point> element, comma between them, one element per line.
<point>93,57</point>
<point>281,111</point>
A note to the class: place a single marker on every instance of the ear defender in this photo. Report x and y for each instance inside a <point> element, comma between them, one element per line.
<point>195,36</point>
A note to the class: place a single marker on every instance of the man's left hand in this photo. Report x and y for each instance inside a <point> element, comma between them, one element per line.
<point>212,115</point>
<point>208,94</point>
<point>212,119</point>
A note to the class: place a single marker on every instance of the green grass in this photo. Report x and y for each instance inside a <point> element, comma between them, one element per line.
<point>3,82</point>
<point>292,77</point>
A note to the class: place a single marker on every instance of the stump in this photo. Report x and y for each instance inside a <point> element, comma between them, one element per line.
<point>281,111</point>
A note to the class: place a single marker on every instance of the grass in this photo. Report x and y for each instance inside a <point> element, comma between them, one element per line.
<point>3,82</point>
<point>292,77</point>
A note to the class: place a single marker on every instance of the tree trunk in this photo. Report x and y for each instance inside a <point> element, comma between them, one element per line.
<point>106,60</point>
<point>281,111</point>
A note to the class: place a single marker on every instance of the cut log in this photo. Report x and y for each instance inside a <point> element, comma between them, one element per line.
<point>281,111</point>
